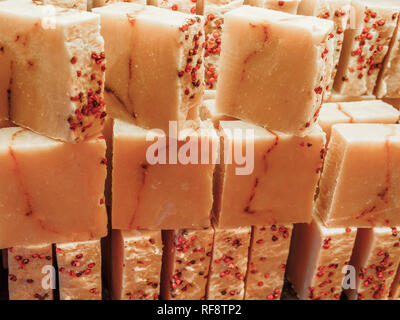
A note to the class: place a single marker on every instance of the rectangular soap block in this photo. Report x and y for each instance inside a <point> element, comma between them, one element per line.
<point>365,46</point>
<point>79,270</point>
<point>65,54</point>
<point>208,112</point>
<point>30,272</point>
<point>318,259</point>
<point>164,184</point>
<point>101,3</point>
<point>136,264</point>
<point>186,263</point>
<point>186,6</point>
<point>337,11</point>
<point>49,190</point>
<point>375,259</point>
<point>360,181</point>
<point>269,251</point>
<point>70,4</point>
<point>274,183</point>
<point>271,68</point>
<point>289,6</point>
<point>144,41</point>
<point>329,115</point>
<point>229,264</point>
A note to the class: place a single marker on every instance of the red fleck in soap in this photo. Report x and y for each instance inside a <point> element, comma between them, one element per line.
<point>317,257</point>
<point>65,55</point>
<point>186,263</point>
<point>360,181</point>
<point>30,275</point>
<point>186,6</point>
<point>375,258</point>
<point>269,251</point>
<point>276,181</point>
<point>274,68</point>
<point>79,270</point>
<point>289,6</point>
<point>136,264</point>
<point>229,264</point>
<point>49,190</point>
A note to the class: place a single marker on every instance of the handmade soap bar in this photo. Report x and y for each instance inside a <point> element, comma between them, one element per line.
<point>65,54</point>
<point>136,264</point>
<point>273,184</point>
<point>50,191</point>
<point>144,41</point>
<point>101,3</point>
<point>71,4</point>
<point>365,45</point>
<point>317,257</point>
<point>176,172</point>
<point>229,264</point>
<point>360,181</point>
<point>389,79</point>
<point>395,287</point>
<point>186,6</point>
<point>30,274</point>
<point>271,68</point>
<point>375,257</point>
<point>289,6</point>
<point>269,251</point>
<point>79,270</point>
<point>208,112</point>
<point>186,262</point>
<point>329,115</point>
<point>335,10</point>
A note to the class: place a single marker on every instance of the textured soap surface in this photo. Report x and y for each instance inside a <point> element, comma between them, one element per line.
<point>289,6</point>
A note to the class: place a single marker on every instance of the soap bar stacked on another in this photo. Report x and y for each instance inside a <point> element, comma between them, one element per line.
<point>186,6</point>
<point>289,6</point>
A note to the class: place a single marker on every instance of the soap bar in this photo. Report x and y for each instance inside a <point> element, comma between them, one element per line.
<point>229,264</point>
<point>336,10</point>
<point>375,257</point>
<point>395,102</point>
<point>65,54</point>
<point>271,68</point>
<point>289,6</point>
<point>30,275</point>
<point>71,4</point>
<point>335,97</point>
<point>186,263</point>
<point>144,41</point>
<point>395,287</point>
<point>47,187</point>
<point>389,79</point>
<point>101,3</point>
<point>360,182</point>
<point>317,258</point>
<point>277,182</point>
<point>79,270</point>
<point>208,112</point>
<point>186,6</point>
<point>178,173</point>
<point>269,251</point>
<point>136,264</point>
<point>6,124</point>
<point>365,46</point>
<point>329,115</point>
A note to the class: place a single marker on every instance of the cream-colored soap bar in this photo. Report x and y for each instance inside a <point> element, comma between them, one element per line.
<point>317,257</point>
<point>335,97</point>
<point>186,6</point>
<point>365,46</point>
<point>336,10</point>
<point>79,270</point>
<point>329,115</point>
<point>144,41</point>
<point>30,272</point>
<point>375,258</point>
<point>178,173</point>
<point>50,191</point>
<point>186,263</point>
<point>289,6</point>
<point>136,264</point>
<point>277,182</point>
<point>65,54</point>
<point>101,3</point>
<point>389,79</point>
<point>271,68</point>
<point>269,251</point>
<point>229,264</point>
<point>360,181</point>
<point>71,4</point>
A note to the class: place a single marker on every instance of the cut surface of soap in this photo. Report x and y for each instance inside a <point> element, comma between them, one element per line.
<point>289,6</point>
<point>186,6</point>
<point>144,41</point>
<point>50,191</point>
<point>101,3</point>
<point>360,181</point>
<point>136,264</point>
<point>229,264</point>
<point>79,270</point>
<point>30,272</point>
<point>65,54</point>
<point>269,251</point>
<point>182,187</point>
<point>277,182</point>
<point>271,67</point>
<point>186,263</point>
<point>317,257</point>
